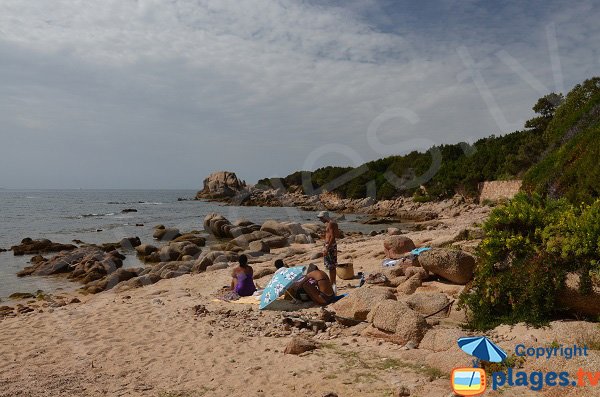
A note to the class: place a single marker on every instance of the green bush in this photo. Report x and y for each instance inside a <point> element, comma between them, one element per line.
<point>531,244</point>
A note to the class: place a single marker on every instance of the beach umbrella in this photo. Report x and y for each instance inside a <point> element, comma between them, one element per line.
<point>482,348</point>
<point>280,282</point>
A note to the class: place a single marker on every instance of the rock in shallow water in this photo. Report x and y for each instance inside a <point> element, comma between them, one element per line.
<point>41,246</point>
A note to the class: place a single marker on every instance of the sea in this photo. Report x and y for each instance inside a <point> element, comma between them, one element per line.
<point>96,216</point>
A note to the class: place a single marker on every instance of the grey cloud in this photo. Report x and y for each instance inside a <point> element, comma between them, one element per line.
<point>157,94</point>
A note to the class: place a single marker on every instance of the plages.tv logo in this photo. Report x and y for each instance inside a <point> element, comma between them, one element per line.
<point>472,381</point>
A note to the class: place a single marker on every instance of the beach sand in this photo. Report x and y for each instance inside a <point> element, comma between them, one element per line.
<point>172,339</point>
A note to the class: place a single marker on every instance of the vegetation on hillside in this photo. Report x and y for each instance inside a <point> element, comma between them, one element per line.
<point>556,154</point>
<point>570,167</point>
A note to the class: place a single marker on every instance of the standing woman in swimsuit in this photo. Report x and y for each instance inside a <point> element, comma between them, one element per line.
<point>242,281</point>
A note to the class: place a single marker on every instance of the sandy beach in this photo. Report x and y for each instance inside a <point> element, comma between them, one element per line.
<point>299,198</point>
<point>173,339</point>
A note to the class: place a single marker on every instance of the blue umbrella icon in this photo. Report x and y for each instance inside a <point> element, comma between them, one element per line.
<point>482,348</point>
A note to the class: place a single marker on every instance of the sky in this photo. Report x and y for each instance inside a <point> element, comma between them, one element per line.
<point>160,93</point>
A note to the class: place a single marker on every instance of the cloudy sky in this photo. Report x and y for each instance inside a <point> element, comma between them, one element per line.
<point>159,93</point>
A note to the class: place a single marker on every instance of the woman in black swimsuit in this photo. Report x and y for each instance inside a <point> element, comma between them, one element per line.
<point>318,287</point>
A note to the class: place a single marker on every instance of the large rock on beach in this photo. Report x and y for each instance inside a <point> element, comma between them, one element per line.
<point>200,241</point>
<point>138,282</point>
<point>89,265</point>
<point>359,302</point>
<point>245,240</point>
<point>220,185</point>
<point>453,265</point>
<point>396,322</point>
<point>441,339</point>
<point>215,225</point>
<point>426,303</point>
<point>81,260</point>
<point>313,229</point>
<point>276,228</point>
<point>95,266</point>
<point>41,246</point>
<point>409,286</point>
<point>220,227</point>
<point>397,246</point>
<point>201,264</point>
<point>275,241</point>
<point>172,251</point>
<point>299,345</point>
<point>260,246</point>
<point>111,280</point>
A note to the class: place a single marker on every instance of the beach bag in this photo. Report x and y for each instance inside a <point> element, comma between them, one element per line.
<point>345,271</point>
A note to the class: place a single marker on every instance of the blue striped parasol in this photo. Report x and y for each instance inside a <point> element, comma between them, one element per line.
<point>482,348</point>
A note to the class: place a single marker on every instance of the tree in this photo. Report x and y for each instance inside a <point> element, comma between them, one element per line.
<point>545,107</point>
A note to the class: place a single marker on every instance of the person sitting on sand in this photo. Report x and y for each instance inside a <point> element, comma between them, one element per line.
<point>242,281</point>
<point>318,287</point>
<point>279,264</point>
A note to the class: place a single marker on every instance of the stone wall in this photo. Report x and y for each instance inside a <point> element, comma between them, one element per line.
<point>498,190</point>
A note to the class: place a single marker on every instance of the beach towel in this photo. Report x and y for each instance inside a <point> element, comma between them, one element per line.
<point>417,251</point>
<point>337,298</point>
<point>244,300</point>
<point>387,262</point>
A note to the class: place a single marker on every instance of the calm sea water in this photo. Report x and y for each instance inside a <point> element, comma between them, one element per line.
<point>95,216</point>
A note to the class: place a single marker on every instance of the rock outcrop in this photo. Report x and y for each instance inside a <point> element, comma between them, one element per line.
<point>221,185</point>
<point>358,303</point>
<point>396,322</point>
<point>426,303</point>
<point>397,246</point>
<point>166,234</point>
<point>453,265</point>
<point>111,280</point>
<point>172,251</point>
<point>41,246</point>
<point>220,227</point>
<point>299,345</point>
<point>83,264</point>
